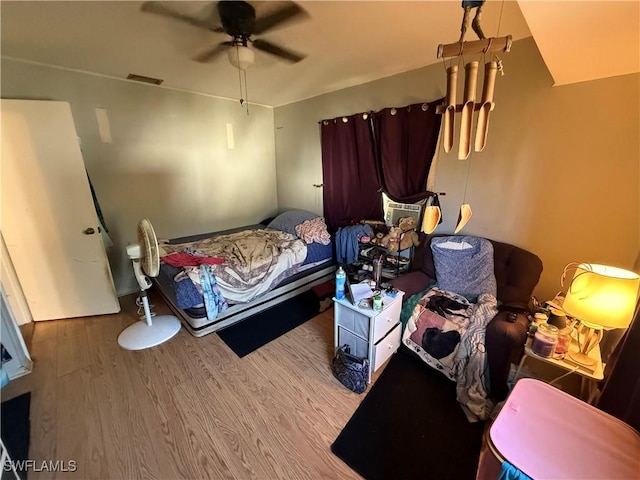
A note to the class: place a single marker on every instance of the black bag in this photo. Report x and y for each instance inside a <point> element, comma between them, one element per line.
<point>351,371</point>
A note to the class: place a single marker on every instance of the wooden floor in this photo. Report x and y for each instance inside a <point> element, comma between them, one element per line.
<point>189,408</point>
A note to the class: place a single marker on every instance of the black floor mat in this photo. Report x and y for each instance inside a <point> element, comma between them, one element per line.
<point>258,330</point>
<point>410,426</point>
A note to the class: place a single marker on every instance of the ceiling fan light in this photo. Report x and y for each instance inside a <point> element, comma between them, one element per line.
<point>241,57</point>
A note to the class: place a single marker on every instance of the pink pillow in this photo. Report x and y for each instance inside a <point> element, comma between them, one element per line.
<point>314,230</point>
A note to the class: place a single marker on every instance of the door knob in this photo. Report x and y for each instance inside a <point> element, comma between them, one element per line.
<point>89,231</point>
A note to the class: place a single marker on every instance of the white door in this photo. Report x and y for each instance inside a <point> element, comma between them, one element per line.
<point>48,218</point>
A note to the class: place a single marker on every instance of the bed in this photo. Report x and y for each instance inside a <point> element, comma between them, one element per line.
<point>243,271</point>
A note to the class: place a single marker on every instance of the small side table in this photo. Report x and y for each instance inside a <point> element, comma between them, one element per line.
<point>369,334</point>
<point>589,377</point>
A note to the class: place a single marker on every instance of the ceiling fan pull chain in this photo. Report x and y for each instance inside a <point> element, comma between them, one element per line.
<point>239,78</point>
<point>246,90</point>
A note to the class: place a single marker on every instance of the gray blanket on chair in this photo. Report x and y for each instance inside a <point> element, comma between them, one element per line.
<point>470,363</point>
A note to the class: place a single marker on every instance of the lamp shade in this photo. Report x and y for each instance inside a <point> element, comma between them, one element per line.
<point>601,296</point>
<point>241,57</point>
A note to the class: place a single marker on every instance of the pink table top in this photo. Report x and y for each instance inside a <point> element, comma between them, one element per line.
<point>548,434</point>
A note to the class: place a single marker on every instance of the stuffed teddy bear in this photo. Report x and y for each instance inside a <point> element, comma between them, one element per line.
<point>392,239</point>
<point>409,236</point>
<point>408,223</point>
<point>401,237</point>
<point>377,239</point>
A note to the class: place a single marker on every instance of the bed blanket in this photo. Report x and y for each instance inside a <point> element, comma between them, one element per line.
<point>254,260</point>
<point>447,332</point>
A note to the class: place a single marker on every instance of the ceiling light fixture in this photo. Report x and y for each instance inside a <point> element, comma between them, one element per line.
<point>241,57</point>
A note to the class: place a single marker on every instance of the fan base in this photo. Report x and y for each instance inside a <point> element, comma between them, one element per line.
<point>139,335</point>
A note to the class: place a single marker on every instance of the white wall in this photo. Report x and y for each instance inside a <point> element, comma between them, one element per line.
<point>169,159</point>
<point>560,175</point>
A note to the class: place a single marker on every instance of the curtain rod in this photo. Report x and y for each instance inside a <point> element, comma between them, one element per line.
<point>345,118</point>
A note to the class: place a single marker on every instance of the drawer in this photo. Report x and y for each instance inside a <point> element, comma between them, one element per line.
<point>386,319</point>
<point>352,320</point>
<point>359,347</point>
<point>386,347</point>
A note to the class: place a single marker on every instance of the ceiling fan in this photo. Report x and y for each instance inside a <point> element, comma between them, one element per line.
<point>238,19</point>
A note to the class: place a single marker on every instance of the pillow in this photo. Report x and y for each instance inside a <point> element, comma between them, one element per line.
<point>314,231</point>
<point>464,265</point>
<point>288,220</point>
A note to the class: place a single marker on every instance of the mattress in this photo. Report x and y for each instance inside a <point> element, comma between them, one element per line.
<point>317,267</point>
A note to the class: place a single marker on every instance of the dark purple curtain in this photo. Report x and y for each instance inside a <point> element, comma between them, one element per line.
<point>390,152</point>
<point>406,140</point>
<point>349,173</point>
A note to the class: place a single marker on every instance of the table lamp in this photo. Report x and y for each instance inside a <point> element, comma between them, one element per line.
<point>601,297</point>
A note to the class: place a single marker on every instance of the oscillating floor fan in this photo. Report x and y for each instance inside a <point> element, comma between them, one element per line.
<point>151,330</point>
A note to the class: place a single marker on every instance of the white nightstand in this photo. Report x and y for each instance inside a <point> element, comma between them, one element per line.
<point>370,334</point>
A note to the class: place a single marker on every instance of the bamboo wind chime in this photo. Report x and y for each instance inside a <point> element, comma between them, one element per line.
<point>469,105</point>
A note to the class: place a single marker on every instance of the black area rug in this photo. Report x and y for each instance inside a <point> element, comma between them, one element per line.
<point>15,428</point>
<point>410,426</point>
<point>258,330</point>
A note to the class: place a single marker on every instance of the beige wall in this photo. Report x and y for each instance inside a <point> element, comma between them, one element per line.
<point>560,174</point>
<point>169,159</point>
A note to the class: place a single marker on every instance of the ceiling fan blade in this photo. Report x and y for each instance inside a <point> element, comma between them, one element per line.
<point>160,9</point>
<point>288,12</point>
<point>278,51</point>
<point>212,52</point>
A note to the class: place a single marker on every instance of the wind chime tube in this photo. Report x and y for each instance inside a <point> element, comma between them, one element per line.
<point>482,128</point>
<point>432,215</point>
<point>450,108</point>
<point>466,120</point>
<point>463,216</point>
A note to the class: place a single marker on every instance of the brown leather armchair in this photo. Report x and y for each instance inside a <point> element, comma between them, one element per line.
<point>517,273</point>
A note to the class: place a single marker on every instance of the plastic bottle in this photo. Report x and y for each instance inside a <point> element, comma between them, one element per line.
<point>377,303</point>
<point>341,278</point>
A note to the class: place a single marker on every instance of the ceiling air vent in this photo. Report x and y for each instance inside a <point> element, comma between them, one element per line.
<point>142,78</point>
